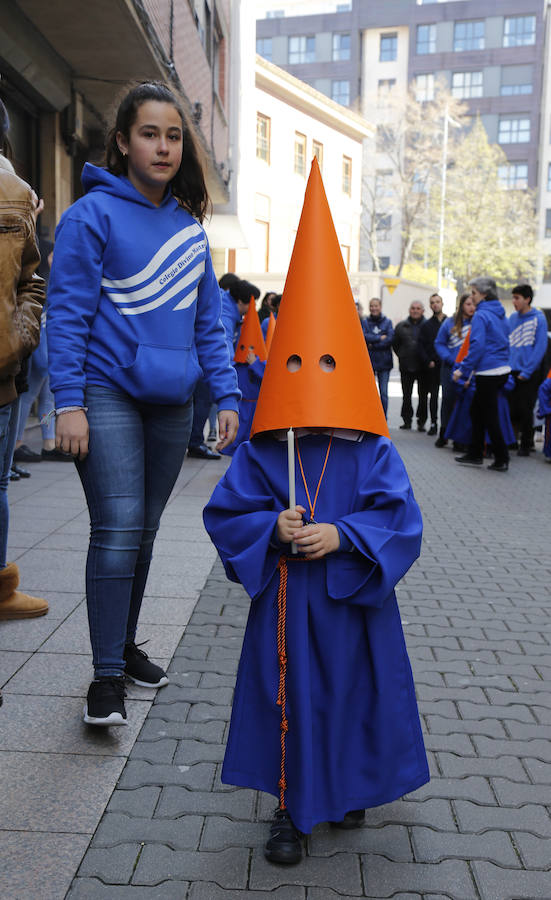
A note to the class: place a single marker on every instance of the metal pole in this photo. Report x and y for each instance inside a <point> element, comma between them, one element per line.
<point>443,198</point>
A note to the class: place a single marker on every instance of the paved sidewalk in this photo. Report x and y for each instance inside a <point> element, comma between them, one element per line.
<point>476,612</point>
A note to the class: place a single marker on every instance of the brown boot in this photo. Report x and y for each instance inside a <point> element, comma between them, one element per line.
<point>14,604</point>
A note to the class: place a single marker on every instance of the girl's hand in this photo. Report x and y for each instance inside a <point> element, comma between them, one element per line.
<point>228,423</point>
<point>71,433</point>
<point>317,540</point>
<point>289,523</point>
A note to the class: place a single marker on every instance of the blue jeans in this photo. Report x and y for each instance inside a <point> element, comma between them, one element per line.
<point>382,377</point>
<point>201,406</point>
<point>136,452</point>
<point>9,417</point>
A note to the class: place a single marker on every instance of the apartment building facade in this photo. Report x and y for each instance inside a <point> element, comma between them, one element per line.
<point>492,54</point>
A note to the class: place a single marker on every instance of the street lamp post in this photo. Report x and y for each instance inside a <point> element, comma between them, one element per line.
<point>447,122</point>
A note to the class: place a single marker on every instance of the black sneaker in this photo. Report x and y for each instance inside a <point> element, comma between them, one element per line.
<point>140,670</point>
<point>284,846</point>
<point>353,819</point>
<point>440,442</point>
<point>406,426</point>
<point>105,701</point>
<point>498,467</point>
<point>467,460</point>
<point>432,430</point>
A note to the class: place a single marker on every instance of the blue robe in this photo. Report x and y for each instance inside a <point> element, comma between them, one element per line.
<point>460,429</point>
<point>249,379</point>
<point>544,412</point>
<point>354,736</point>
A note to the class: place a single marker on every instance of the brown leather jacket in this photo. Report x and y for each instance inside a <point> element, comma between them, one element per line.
<point>21,291</point>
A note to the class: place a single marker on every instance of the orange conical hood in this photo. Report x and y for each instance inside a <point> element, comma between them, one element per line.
<point>250,336</point>
<point>464,348</point>
<point>270,332</point>
<point>317,317</point>
<point>548,374</point>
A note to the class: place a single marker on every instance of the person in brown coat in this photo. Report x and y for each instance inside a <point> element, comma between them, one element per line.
<point>21,299</point>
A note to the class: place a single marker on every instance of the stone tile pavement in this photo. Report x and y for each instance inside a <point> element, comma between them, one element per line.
<point>141,813</point>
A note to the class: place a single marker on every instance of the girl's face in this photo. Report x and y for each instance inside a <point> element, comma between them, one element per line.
<point>469,307</point>
<point>154,148</point>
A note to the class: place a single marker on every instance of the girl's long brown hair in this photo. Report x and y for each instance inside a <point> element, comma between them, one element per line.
<point>188,185</point>
<point>458,319</point>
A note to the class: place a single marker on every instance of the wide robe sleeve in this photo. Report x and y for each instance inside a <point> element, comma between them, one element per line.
<point>385,531</point>
<point>240,518</point>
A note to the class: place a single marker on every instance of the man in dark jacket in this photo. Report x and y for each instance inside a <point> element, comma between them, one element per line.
<point>430,358</point>
<point>378,334</point>
<point>406,347</point>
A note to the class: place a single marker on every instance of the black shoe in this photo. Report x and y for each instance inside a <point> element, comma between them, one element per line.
<point>499,467</point>
<point>14,476</point>
<point>284,846</point>
<point>523,452</point>
<point>212,436</point>
<point>432,431</point>
<point>19,470</point>
<point>56,455</point>
<point>406,426</point>
<point>105,701</point>
<point>140,670</point>
<point>467,460</point>
<point>202,452</point>
<point>353,819</point>
<point>440,442</point>
<point>422,428</point>
<point>25,454</point>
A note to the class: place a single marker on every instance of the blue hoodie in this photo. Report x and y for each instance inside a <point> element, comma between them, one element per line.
<point>528,340</point>
<point>489,341</point>
<point>133,301</point>
<point>447,343</point>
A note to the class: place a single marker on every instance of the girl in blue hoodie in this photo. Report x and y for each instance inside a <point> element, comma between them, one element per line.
<point>133,321</point>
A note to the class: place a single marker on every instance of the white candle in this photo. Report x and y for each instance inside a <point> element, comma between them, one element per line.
<point>291,463</point>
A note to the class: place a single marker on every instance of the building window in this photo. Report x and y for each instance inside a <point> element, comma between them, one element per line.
<point>424,87</point>
<point>261,241</point>
<point>513,131</point>
<point>317,151</point>
<point>341,47</point>
<point>519,31</point>
<point>264,48</point>
<point>340,92</point>
<point>384,87</point>
<point>548,223</point>
<point>384,262</point>
<point>514,176</point>
<point>468,35</point>
<point>508,90</point>
<point>383,183</point>
<point>347,175</point>
<point>302,49</point>
<point>467,84</point>
<point>426,39</point>
<point>384,139</point>
<point>263,137</point>
<point>384,224</point>
<point>300,154</point>
<point>388,50</point>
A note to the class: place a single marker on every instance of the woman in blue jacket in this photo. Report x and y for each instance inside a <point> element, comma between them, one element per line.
<point>488,359</point>
<point>133,322</point>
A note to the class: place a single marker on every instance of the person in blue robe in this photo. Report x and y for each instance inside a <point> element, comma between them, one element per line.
<point>353,737</point>
<point>249,379</point>
<point>459,428</point>
<point>544,412</point>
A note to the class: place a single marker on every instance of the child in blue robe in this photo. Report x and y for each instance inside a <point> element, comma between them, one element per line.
<point>544,412</point>
<point>324,714</point>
